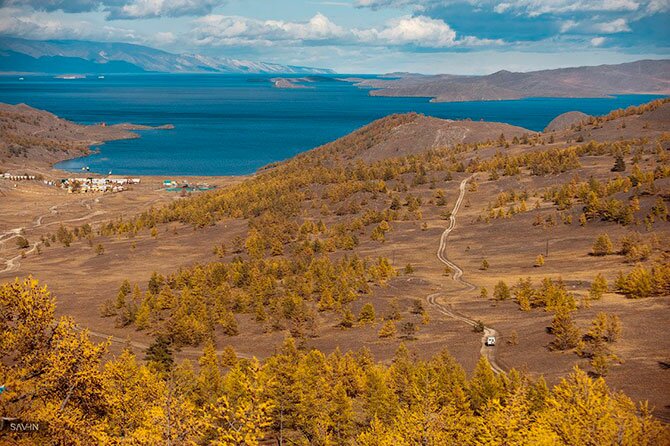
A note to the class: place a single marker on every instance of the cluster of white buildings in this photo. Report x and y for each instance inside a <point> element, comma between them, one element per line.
<point>13,177</point>
<point>83,185</point>
<point>184,186</point>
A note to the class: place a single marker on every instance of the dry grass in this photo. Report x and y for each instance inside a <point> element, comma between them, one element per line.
<point>82,280</point>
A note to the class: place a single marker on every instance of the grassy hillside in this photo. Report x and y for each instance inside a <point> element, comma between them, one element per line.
<point>564,235</point>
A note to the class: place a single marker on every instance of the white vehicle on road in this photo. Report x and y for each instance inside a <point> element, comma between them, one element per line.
<point>490,341</point>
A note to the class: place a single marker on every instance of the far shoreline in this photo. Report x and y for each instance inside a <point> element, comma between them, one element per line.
<point>128,131</point>
<point>80,141</point>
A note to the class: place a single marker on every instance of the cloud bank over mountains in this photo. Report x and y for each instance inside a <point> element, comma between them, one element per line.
<point>357,32</point>
<point>122,9</point>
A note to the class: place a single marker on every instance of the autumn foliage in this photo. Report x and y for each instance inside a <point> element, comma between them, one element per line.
<point>55,375</point>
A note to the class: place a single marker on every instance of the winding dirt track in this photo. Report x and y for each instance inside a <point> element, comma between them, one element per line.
<point>13,263</point>
<point>488,352</point>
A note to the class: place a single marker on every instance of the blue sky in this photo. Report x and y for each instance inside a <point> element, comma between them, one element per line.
<point>365,36</point>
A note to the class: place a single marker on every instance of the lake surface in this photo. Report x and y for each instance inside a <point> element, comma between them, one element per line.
<point>231,125</point>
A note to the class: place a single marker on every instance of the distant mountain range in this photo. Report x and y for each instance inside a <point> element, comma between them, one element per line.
<point>644,76</point>
<point>78,56</point>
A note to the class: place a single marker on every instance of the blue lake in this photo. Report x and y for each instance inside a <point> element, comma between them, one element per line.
<point>230,125</point>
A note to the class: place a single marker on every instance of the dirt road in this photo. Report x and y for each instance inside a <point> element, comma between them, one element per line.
<point>13,264</point>
<point>488,352</point>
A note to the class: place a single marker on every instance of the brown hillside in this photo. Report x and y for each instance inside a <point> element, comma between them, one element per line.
<point>564,121</point>
<point>411,134</point>
<point>427,133</point>
<point>29,136</point>
<point>265,246</point>
<point>644,76</point>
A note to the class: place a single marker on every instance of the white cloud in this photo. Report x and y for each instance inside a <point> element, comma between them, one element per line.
<point>420,31</point>
<point>586,27</point>
<point>525,7</point>
<point>140,9</point>
<point>568,25</point>
<point>598,41</point>
<point>502,7</point>
<point>44,26</point>
<point>318,27</point>
<point>534,8</point>
<point>615,26</point>
<point>122,9</point>
<point>234,30</point>
<point>164,38</point>
<point>656,6</point>
<point>579,22</point>
<point>377,4</point>
<point>54,5</point>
